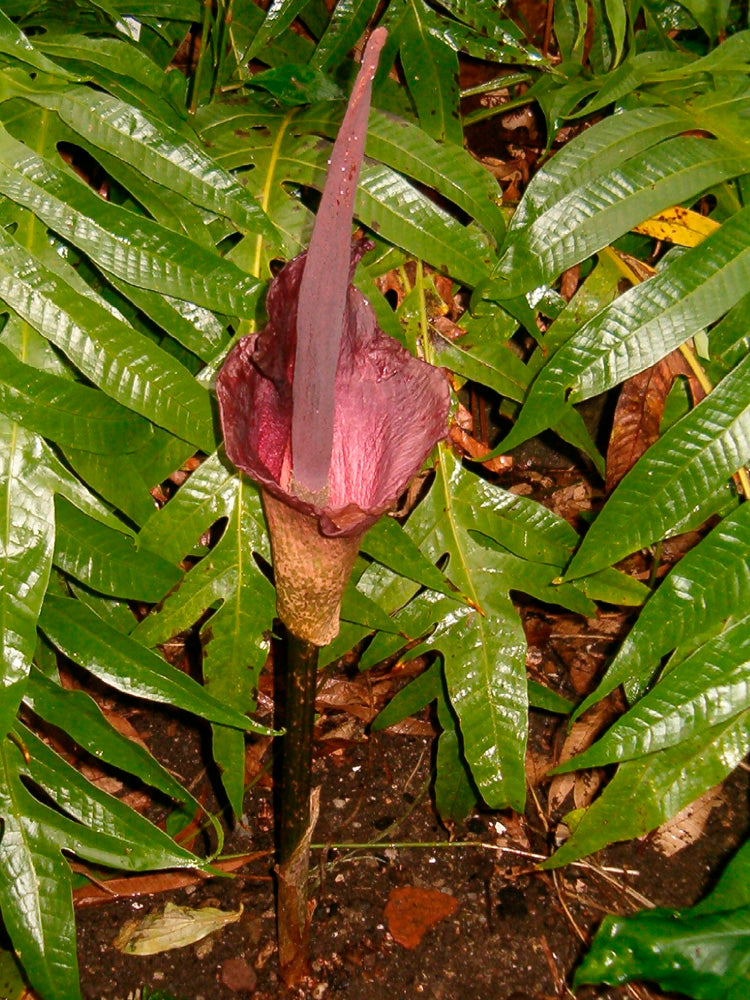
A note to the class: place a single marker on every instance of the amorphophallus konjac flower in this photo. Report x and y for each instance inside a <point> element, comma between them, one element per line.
<point>327,413</point>
<point>332,418</point>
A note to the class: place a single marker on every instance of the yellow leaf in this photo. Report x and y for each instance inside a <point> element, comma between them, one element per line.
<point>175,927</point>
<point>678,225</point>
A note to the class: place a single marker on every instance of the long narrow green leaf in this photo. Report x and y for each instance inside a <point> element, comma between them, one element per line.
<point>706,689</point>
<point>156,150</point>
<point>134,248</point>
<point>709,584</point>
<point>27,534</point>
<point>81,718</point>
<point>483,645</point>
<point>118,479</point>
<point>642,326</point>
<point>206,496</point>
<point>690,462</point>
<point>650,790</point>
<point>127,665</point>
<point>107,561</point>
<point>595,214</point>
<point>124,364</point>
<point>67,412</point>
<point>431,68</point>
<point>111,832</point>
<point>455,796</point>
<point>387,542</point>
<point>592,154</point>
<point>237,636</point>
<point>35,893</point>
<point>701,955</point>
<point>14,43</point>
<point>349,18</point>
<point>279,16</point>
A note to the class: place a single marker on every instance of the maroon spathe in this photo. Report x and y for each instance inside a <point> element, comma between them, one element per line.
<point>390,409</point>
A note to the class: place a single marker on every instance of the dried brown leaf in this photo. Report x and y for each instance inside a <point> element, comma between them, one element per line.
<point>412,911</point>
<point>638,413</point>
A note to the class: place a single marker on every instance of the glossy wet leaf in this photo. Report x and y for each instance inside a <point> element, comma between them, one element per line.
<point>66,412</point>
<point>27,534</point>
<point>708,687</point>
<point>642,326</point>
<point>710,583</point>
<point>701,955</point>
<point>648,791</point>
<point>229,581</point>
<point>692,460</point>
<point>127,665</point>
<point>79,715</point>
<point>123,363</point>
<point>107,561</point>
<point>156,149</point>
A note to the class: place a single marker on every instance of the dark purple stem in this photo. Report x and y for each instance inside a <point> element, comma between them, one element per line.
<point>323,289</point>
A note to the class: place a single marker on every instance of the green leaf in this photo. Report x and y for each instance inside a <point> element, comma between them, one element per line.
<point>483,645</point>
<point>709,687</point>
<point>12,981</point>
<point>733,888</point>
<point>705,956</point>
<point>411,699</point>
<point>357,607</point>
<point>642,326</point>
<point>455,796</point>
<point>27,535</point>
<point>205,496</point>
<point>228,580</point>
<point>135,249</point>
<point>124,364</point>
<point>387,542</point>
<point>431,69</point>
<point>709,584</point>
<point>110,832</point>
<point>593,215</point>
<point>709,15</point>
<point>35,894</point>
<point>80,717</point>
<point>279,16</point>
<point>157,150</point>
<point>237,636</point>
<point>118,479</point>
<point>66,412</point>
<point>690,462</point>
<point>349,18</point>
<point>107,561</point>
<point>548,701</point>
<point>128,666</point>
<point>15,44</point>
<point>592,155</point>
<point>650,790</point>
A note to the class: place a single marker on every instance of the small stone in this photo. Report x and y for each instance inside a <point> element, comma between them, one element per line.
<point>238,976</point>
<point>204,948</point>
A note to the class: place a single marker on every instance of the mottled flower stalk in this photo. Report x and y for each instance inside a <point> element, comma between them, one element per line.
<point>332,418</point>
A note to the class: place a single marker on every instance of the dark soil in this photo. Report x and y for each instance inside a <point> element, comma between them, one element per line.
<point>516,933</point>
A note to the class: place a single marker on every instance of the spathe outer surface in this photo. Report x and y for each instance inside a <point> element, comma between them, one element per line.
<point>390,410</point>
